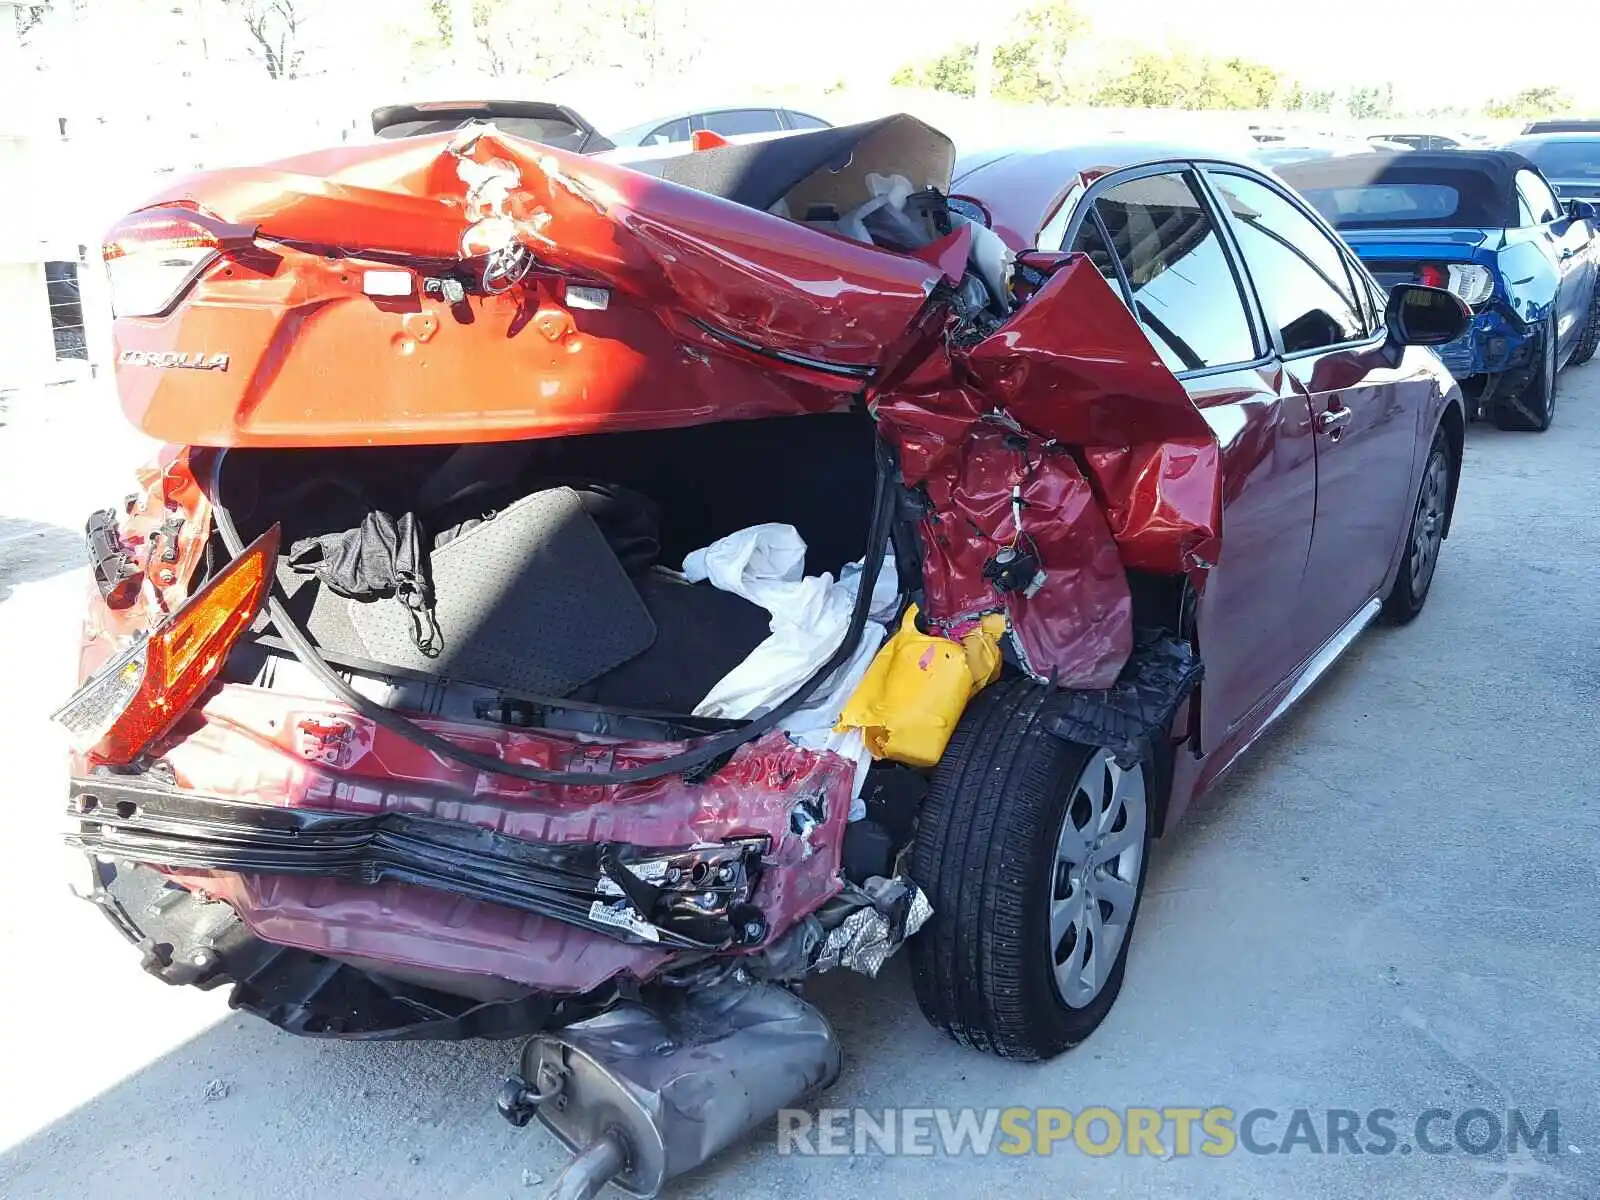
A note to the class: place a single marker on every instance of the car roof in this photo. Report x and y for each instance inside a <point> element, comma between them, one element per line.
<point>1556,135</point>
<point>1022,187</point>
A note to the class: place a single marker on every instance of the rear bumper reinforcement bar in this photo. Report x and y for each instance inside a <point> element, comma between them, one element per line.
<point>695,897</point>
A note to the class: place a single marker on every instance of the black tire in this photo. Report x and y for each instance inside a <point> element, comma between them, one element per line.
<point>985,852</point>
<point>1532,407</point>
<point>1430,516</point>
<point>1589,339</point>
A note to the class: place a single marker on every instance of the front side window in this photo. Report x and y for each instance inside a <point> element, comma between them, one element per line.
<point>1184,291</point>
<point>1299,271</point>
<point>1541,202</point>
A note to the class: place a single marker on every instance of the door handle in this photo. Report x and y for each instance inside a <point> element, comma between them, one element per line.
<point>1332,420</point>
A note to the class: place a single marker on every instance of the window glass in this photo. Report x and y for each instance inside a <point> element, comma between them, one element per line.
<point>1298,270</point>
<point>1541,200</point>
<point>1184,292</point>
<point>672,131</point>
<point>1563,160</point>
<point>800,120</point>
<point>1385,203</point>
<point>1090,241</point>
<point>742,120</point>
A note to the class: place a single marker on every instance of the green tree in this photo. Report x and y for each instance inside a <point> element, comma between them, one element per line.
<point>1369,103</point>
<point>1542,101</point>
<point>1177,79</point>
<point>1032,65</point>
<point>1311,100</point>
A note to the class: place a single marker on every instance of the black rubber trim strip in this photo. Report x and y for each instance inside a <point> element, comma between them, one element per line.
<point>843,370</point>
<point>703,751</point>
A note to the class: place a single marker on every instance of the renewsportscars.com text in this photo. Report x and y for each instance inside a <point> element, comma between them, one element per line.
<point>1212,1132</point>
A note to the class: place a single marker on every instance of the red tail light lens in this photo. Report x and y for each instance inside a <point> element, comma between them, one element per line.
<point>1432,275</point>
<point>137,697</point>
<point>153,256</point>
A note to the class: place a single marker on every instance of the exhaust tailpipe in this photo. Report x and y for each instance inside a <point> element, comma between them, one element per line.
<point>642,1095</point>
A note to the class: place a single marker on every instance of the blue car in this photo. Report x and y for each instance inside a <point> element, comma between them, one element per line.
<point>1487,226</point>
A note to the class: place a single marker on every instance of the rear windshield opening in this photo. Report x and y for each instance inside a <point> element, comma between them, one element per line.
<point>563,135</point>
<point>1387,204</point>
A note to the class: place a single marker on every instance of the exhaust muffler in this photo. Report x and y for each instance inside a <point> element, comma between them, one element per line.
<point>643,1095</point>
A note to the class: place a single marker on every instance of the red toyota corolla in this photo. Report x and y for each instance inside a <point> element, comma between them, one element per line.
<point>583,600</point>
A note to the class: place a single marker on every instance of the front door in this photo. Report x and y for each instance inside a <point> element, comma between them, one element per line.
<point>1363,413</point>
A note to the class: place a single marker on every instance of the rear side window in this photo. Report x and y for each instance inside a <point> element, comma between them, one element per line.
<point>1539,200</point>
<point>1184,291</point>
<point>1298,270</point>
<point>742,120</point>
<point>800,120</point>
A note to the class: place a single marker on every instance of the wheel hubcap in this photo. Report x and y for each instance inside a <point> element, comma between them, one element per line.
<point>1427,530</point>
<point>1099,854</point>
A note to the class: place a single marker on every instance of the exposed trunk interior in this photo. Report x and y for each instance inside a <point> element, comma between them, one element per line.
<point>654,497</point>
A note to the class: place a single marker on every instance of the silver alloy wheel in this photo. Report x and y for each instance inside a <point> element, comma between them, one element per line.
<point>1427,527</point>
<point>1099,856</point>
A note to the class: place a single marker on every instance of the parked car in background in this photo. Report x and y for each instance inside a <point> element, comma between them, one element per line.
<point>549,124</point>
<point>729,122</point>
<point>1563,125</point>
<point>1486,225</point>
<point>1570,161</point>
<point>1124,507</point>
<point>1281,153</point>
<point>1429,139</point>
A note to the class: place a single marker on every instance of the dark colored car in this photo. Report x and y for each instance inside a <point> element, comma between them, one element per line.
<point>1487,226</point>
<point>549,124</point>
<point>393,709</point>
<point>1569,161</point>
<point>1563,125</point>
<point>728,122</point>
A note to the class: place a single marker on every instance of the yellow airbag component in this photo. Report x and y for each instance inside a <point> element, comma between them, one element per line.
<point>908,702</point>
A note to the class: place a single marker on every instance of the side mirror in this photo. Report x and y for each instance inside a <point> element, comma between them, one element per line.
<point>1425,316</point>
<point>972,209</point>
<point>1580,210</point>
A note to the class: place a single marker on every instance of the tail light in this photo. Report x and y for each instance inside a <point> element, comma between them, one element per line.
<point>152,257</point>
<point>1469,281</point>
<point>138,696</point>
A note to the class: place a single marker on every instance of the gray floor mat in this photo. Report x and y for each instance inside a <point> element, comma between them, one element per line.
<point>531,601</point>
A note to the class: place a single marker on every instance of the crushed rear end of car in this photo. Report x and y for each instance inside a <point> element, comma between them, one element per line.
<point>474,661</point>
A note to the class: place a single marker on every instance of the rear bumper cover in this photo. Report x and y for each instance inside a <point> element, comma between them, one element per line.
<point>1493,343</point>
<point>694,897</point>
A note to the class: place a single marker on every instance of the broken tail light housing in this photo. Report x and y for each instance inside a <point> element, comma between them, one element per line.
<point>152,257</point>
<point>1469,281</point>
<point>138,696</point>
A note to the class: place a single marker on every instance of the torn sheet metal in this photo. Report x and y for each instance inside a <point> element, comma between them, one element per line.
<point>1062,425</point>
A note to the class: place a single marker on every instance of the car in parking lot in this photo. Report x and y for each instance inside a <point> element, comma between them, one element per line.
<point>1569,161</point>
<point>392,709</point>
<point>1487,226</point>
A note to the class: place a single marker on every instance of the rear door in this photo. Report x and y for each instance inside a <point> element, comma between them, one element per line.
<point>1154,235</point>
<point>1364,413</point>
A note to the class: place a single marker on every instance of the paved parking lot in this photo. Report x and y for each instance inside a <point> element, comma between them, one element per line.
<point>1395,904</point>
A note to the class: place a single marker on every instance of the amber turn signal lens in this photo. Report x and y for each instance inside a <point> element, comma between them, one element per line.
<point>139,696</point>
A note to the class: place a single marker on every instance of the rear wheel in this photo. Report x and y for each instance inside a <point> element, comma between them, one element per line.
<point>1425,537</point>
<point>1589,340</point>
<point>1033,852</point>
<point>1532,408</point>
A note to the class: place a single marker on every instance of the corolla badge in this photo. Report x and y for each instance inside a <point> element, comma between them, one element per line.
<point>193,361</point>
